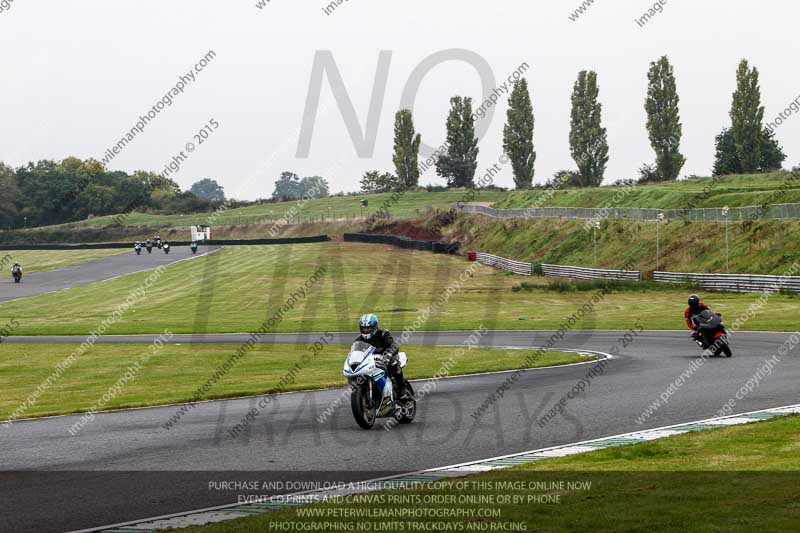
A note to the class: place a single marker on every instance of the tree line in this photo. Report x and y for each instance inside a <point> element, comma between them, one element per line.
<point>745,146</point>
<point>54,192</point>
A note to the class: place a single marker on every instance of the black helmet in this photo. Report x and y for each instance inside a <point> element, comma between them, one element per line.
<point>694,300</point>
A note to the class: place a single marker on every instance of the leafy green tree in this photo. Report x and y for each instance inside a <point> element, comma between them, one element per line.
<point>726,160</point>
<point>9,194</point>
<point>376,181</point>
<point>588,139</point>
<point>663,120</point>
<point>208,189</point>
<point>287,186</point>
<point>406,149</point>
<point>459,162</point>
<point>518,135</point>
<point>747,117</point>
<point>314,187</point>
<point>153,182</point>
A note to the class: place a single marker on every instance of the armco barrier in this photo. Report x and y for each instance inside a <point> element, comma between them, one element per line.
<point>404,242</point>
<point>217,242</point>
<point>571,272</point>
<point>711,214</point>
<point>733,282</point>
<point>517,267</point>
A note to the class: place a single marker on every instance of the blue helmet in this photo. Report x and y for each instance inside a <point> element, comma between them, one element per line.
<point>368,325</point>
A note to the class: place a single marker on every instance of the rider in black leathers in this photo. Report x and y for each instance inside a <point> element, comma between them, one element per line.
<point>384,344</point>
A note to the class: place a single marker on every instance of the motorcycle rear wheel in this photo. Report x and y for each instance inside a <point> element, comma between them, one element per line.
<point>408,409</point>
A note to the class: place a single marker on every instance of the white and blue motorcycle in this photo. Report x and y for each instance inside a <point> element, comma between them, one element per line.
<point>373,395</point>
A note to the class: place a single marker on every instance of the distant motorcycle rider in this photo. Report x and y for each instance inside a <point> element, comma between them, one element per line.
<point>384,344</point>
<point>137,247</point>
<point>16,271</point>
<point>695,308</point>
<point>149,246</point>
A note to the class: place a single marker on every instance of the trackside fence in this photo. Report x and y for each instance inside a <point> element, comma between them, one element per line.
<point>733,282</point>
<point>517,267</point>
<point>572,272</point>
<point>713,282</point>
<point>713,214</point>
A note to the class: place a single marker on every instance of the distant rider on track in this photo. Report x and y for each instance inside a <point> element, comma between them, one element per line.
<point>384,344</point>
<point>16,272</point>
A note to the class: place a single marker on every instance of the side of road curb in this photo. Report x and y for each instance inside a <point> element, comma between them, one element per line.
<point>233,511</point>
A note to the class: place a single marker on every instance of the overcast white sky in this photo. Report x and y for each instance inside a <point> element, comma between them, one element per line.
<point>76,75</point>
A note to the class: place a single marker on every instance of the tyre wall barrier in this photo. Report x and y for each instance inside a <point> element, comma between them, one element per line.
<point>404,242</point>
<point>216,242</point>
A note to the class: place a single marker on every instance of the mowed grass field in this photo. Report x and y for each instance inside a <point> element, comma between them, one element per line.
<point>44,260</point>
<point>741,478</point>
<point>172,373</point>
<point>242,288</point>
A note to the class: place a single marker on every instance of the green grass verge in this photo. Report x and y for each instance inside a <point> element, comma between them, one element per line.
<point>742,478</point>
<point>407,205</point>
<point>762,247</point>
<point>173,373</point>
<point>43,260</point>
<point>732,191</point>
<point>238,289</point>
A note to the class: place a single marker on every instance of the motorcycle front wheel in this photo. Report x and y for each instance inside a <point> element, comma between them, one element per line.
<point>364,409</point>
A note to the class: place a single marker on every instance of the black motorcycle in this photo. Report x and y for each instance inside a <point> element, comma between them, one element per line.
<point>17,273</point>
<point>138,249</point>
<point>710,333</point>
<point>166,248</point>
<point>149,247</point>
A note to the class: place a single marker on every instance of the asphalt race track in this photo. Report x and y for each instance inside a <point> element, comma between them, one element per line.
<point>126,465</point>
<point>92,271</point>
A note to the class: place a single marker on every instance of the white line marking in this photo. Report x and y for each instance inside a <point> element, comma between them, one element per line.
<point>464,466</point>
<point>420,380</point>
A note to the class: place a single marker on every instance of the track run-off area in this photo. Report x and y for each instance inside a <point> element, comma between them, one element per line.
<point>133,464</point>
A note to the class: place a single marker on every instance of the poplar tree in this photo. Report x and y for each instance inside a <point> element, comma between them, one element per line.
<point>663,120</point>
<point>588,140</point>
<point>406,149</point>
<point>518,135</point>
<point>460,160</point>
<point>747,116</point>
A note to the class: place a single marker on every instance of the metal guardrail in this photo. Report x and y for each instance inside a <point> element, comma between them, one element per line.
<point>572,272</point>
<point>733,282</point>
<point>517,267</point>
<point>712,214</point>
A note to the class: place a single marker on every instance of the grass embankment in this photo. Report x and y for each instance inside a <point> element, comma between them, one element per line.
<point>173,373</point>
<point>762,247</point>
<point>741,478</point>
<point>732,191</point>
<point>238,289</point>
<point>342,208</point>
<point>43,260</point>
